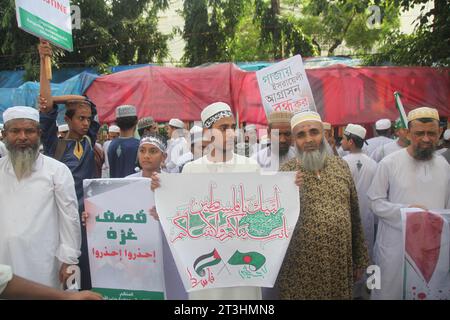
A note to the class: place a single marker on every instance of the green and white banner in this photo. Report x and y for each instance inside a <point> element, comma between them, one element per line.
<point>47,19</point>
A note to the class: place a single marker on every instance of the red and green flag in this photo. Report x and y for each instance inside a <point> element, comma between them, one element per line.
<point>251,258</point>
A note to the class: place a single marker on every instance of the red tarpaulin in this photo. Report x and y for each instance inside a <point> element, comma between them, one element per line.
<point>342,94</point>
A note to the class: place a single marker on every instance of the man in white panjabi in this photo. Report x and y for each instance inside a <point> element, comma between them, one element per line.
<point>414,177</point>
<point>219,125</point>
<point>113,132</point>
<point>363,170</point>
<point>401,142</point>
<point>280,149</point>
<point>40,231</point>
<point>177,145</point>
<point>383,130</point>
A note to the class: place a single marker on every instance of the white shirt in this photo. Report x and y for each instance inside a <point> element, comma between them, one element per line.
<point>385,149</point>
<point>363,169</point>
<point>5,276</point>
<point>39,220</point>
<point>374,143</point>
<point>3,150</point>
<point>401,181</point>
<point>264,158</point>
<point>236,164</point>
<point>175,149</point>
<point>105,167</point>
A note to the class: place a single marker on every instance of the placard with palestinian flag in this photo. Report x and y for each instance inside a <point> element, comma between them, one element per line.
<point>230,229</point>
<point>426,267</point>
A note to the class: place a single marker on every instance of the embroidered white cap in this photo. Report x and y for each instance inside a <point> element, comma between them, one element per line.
<point>214,112</point>
<point>383,124</point>
<point>177,123</point>
<point>126,111</point>
<point>20,112</point>
<point>447,135</point>
<point>113,129</point>
<point>63,127</point>
<point>356,129</point>
<point>305,116</point>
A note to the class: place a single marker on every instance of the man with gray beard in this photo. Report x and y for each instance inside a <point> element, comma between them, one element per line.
<point>327,251</point>
<point>40,233</point>
<point>414,177</point>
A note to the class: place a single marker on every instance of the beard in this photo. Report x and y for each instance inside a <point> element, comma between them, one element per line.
<point>313,160</point>
<point>424,154</point>
<point>22,159</point>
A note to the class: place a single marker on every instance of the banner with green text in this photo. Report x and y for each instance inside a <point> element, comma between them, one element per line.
<point>230,229</point>
<point>124,242</point>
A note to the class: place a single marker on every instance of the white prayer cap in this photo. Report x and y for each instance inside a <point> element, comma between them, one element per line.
<point>63,127</point>
<point>383,124</point>
<point>126,111</point>
<point>177,123</point>
<point>20,112</point>
<point>250,127</point>
<point>305,116</point>
<point>113,129</point>
<point>215,112</point>
<point>326,125</point>
<point>196,130</point>
<point>154,139</point>
<point>447,135</point>
<point>356,130</point>
<point>422,113</point>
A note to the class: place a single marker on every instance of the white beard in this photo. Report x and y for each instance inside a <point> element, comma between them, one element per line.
<point>313,160</point>
<point>23,160</point>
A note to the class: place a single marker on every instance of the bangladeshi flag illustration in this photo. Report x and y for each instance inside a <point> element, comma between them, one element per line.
<point>427,251</point>
<point>254,259</point>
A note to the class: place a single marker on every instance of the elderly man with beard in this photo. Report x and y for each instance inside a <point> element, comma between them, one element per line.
<point>413,177</point>
<point>40,232</point>
<point>272,158</point>
<point>327,250</point>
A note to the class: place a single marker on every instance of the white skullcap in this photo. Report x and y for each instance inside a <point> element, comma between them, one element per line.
<point>215,112</point>
<point>447,135</point>
<point>113,129</point>
<point>196,130</point>
<point>326,126</point>
<point>250,127</point>
<point>126,111</point>
<point>20,112</point>
<point>383,124</point>
<point>422,113</point>
<point>177,123</point>
<point>356,130</point>
<point>305,116</point>
<point>63,127</point>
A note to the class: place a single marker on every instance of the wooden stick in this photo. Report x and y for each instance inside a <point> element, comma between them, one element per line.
<point>48,67</point>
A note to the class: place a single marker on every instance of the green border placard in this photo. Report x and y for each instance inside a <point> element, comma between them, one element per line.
<point>124,294</point>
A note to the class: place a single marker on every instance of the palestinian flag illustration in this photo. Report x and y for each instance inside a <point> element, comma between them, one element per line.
<point>206,260</point>
<point>251,258</point>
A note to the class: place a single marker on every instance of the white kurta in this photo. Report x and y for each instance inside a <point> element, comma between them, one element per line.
<point>236,164</point>
<point>105,167</point>
<point>3,150</point>
<point>385,149</point>
<point>363,170</point>
<point>39,221</point>
<point>264,158</point>
<point>5,276</point>
<point>374,143</point>
<point>402,181</point>
<point>175,149</point>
